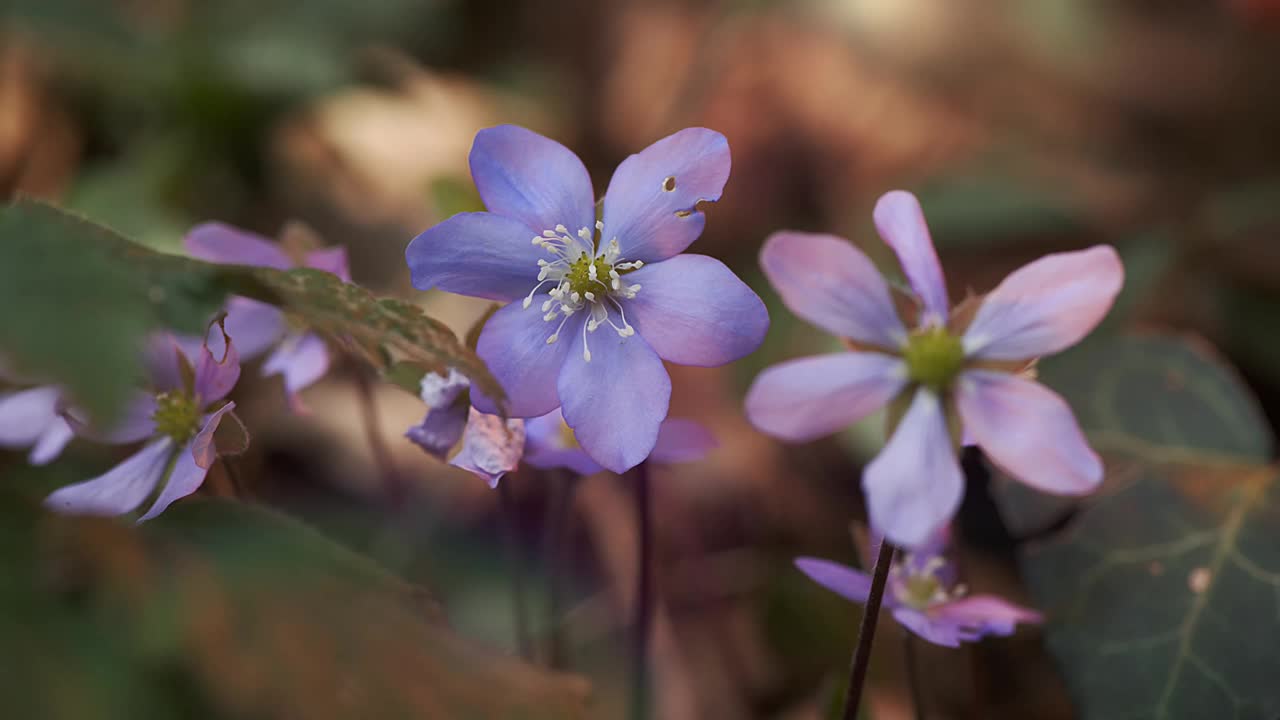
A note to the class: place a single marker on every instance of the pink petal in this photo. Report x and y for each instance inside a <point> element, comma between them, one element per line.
<point>804,399</point>
<point>1046,306</point>
<point>844,581</point>
<point>300,360</point>
<point>939,633</point>
<point>900,221</point>
<point>986,614</point>
<point>222,243</point>
<point>491,448</point>
<point>682,440</point>
<point>333,259</point>
<point>203,450</point>
<point>1028,430</point>
<point>914,485</point>
<point>833,285</point>
<point>215,376</point>
<point>119,490</point>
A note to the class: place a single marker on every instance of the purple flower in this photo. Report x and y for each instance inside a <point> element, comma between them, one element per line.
<point>177,420</point>
<point>31,418</point>
<point>953,370</point>
<point>568,276</point>
<point>490,447</point>
<point>300,357</point>
<point>923,597</point>
<point>446,418</point>
<point>550,443</point>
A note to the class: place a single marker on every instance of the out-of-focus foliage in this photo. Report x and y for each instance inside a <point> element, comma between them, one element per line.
<point>220,610</point>
<point>1162,588</point>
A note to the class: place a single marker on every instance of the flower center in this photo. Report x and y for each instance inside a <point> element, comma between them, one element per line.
<point>934,357</point>
<point>918,586</point>
<point>568,440</point>
<point>586,279</point>
<point>177,415</point>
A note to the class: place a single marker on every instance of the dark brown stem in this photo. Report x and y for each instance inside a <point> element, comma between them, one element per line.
<point>233,477</point>
<point>913,675</point>
<point>640,691</point>
<point>393,485</point>
<point>867,632</point>
<point>519,607</point>
<point>559,531</point>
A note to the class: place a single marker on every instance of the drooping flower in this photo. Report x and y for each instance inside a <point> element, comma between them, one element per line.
<point>923,597</point>
<point>31,417</point>
<point>943,373</point>
<point>177,418</point>
<point>550,443</point>
<point>300,357</point>
<point>490,448</point>
<point>568,275</point>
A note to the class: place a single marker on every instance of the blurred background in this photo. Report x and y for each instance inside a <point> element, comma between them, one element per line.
<point>1025,127</point>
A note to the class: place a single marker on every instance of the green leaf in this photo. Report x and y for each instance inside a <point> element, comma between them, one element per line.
<point>77,300</point>
<point>1162,590</point>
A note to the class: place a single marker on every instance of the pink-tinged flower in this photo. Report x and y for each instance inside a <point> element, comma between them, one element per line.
<point>490,447</point>
<point>177,419</point>
<point>950,372</point>
<point>568,276</point>
<point>550,443</point>
<point>299,357</point>
<point>923,597</point>
<point>31,418</point>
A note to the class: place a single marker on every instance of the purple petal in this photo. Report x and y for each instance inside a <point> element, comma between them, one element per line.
<point>121,489</point>
<point>440,429</point>
<point>478,254</point>
<point>616,402</point>
<point>1028,430</point>
<point>216,375</point>
<point>221,243</point>
<point>651,204</point>
<point>51,442</point>
<point>803,399</point>
<point>533,179</point>
<point>693,310</point>
<point>1046,306</point>
<point>914,485</point>
<point>162,355</point>
<point>549,443</point>
<point>135,422</point>
<point>681,440</point>
<point>203,450</point>
<point>844,581</point>
<point>938,632</point>
<point>984,614</point>
<point>438,390</point>
<point>491,448</point>
<point>192,465</point>
<point>27,414</point>
<point>514,346</point>
<point>833,285</point>
<point>900,221</point>
<point>333,259</point>
<point>301,360</point>
<point>253,326</point>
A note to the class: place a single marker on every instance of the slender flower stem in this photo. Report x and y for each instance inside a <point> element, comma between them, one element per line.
<point>233,477</point>
<point>392,484</point>
<point>640,691</point>
<point>867,632</point>
<point>559,531</point>
<point>913,676</point>
<point>519,607</point>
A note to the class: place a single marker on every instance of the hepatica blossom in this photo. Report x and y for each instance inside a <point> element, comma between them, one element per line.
<point>551,443</point>
<point>595,306</point>
<point>298,356</point>
<point>944,372</point>
<point>490,448</point>
<point>31,418</point>
<point>923,597</point>
<point>177,419</point>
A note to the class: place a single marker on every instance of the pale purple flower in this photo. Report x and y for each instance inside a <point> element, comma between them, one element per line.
<point>568,276</point>
<point>490,449</point>
<point>550,443</point>
<point>300,357</point>
<point>177,418</point>
<point>31,417</point>
<point>923,597</point>
<point>952,370</point>
<point>447,405</point>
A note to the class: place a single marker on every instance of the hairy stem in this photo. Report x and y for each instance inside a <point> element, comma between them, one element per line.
<point>867,632</point>
<point>519,606</point>
<point>393,485</point>
<point>640,691</point>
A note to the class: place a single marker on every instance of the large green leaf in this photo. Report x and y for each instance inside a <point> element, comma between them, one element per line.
<point>1163,591</point>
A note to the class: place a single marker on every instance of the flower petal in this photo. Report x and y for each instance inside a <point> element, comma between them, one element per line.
<point>26,415</point>
<point>491,448</point>
<point>477,254</point>
<point>301,360</point>
<point>548,445</point>
<point>203,451</point>
<point>121,489</point>
<point>938,632</point>
<point>533,179</point>
<point>651,204</point>
<point>331,259</point>
<point>215,376</point>
<point>681,440</point>
<point>222,243</point>
<point>253,326</point>
<point>692,310</point>
<point>914,485</point>
<point>844,581</point>
<point>616,402</point>
<point>440,429</point>
<point>186,477</point>
<point>1027,429</point>
<point>514,346</point>
<point>833,285</point>
<point>800,400</point>
<point>51,442</point>
<point>133,423</point>
<point>985,614</point>
<point>1046,306</point>
<point>900,221</point>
